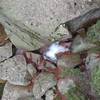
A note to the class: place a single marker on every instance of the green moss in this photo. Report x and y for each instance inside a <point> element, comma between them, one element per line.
<point>93,33</point>
<point>95,50</point>
<point>96,79</point>
<point>74,94</point>
<point>70,72</point>
<point>1,89</point>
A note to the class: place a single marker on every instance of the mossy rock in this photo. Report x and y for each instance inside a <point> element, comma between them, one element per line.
<point>70,72</point>
<point>93,33</point>
<point>96,79</point>
<point>1,89</point>
<point>73,94</point>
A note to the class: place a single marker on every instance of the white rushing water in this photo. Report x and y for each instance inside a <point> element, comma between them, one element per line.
<point>54,49</point>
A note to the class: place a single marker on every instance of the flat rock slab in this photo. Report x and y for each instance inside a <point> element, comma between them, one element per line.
<point>44,16</point>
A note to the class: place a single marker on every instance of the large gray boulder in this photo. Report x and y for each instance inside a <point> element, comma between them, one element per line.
<point>44,16</point>
<point>30,23</point>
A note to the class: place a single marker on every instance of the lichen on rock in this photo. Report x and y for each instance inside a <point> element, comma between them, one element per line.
<point>93,33</point>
